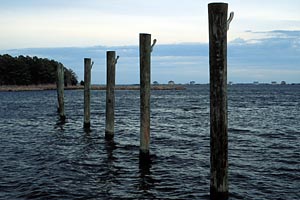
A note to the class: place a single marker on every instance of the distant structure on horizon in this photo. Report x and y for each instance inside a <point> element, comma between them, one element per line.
<point>155,83</point>
<point>192,82</point>
<point>283,83</point>
<point>263,83</point>
<point>171,83</point>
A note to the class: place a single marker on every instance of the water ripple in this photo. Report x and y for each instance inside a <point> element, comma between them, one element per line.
<point>42,158</point>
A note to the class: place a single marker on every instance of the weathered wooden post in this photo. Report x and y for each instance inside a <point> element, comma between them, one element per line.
<point>111,62</point>
<point>218,26</point>
<point>145,72</point>
<point>87,92</point>
<point>60,91</point>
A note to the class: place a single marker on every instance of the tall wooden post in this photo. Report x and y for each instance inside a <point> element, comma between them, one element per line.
<point>145,62</point>
<point>111,61</point>
<point>60,91</point>
<point>87,92</point>
<point>218,25</point>
<point>145,72</point>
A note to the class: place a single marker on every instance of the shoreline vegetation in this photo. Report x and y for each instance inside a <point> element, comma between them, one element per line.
<point>15,88</point>
<point>26,70</point>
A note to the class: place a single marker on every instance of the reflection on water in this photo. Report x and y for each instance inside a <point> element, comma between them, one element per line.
<point>146,181</point>
<point>60,124</point>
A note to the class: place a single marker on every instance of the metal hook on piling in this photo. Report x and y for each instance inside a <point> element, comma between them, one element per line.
<point>229,19</point>
<point>116,59</point>
<point>92,64</point>
<point>154,42</point>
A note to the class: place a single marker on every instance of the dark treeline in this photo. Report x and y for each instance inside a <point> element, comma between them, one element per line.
<point>27,70</point>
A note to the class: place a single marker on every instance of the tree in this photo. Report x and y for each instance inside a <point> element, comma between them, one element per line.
<point>31,70</point>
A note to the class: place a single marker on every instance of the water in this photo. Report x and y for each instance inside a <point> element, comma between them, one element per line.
<point>43,159</point>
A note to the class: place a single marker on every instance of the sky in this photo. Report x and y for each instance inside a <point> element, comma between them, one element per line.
<point>263,39</point>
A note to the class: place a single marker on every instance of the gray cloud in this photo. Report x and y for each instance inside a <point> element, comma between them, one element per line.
<point>273,57</point>
<point>280,49</point>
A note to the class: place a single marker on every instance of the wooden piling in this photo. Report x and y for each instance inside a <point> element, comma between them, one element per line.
<point>60,91</point>
<point>87,92</point>
<point>145,72</point>
<point>217,13</point>
<point>110,94</point>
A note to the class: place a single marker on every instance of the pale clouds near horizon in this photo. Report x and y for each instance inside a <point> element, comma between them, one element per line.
<point>272,58</point>
<point>60,23</point>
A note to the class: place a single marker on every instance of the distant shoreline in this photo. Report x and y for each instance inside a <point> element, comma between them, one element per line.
<point>15,88</point>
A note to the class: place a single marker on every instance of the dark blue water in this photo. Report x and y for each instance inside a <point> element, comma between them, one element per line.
<point>43,159</point>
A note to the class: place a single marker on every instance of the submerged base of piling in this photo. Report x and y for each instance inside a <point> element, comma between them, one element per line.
<point>215,195</point>
<point>109,135</point>
<point>62,118</point>
<point>145,162</point>
<point>144,156</point>
<point>86,125</point>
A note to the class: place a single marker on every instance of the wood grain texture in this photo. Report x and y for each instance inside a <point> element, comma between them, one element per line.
<point>217,13</point>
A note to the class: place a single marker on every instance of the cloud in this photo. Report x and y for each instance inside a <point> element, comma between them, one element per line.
<point>261,36</point>
<point>275,56</point>
<point>277,49</point>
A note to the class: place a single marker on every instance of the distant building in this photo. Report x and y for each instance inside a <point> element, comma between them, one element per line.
<point>283,83</point>
<point>155,83</point>
<point>171,82</point>
<point>274,83</point>
<point>255,82</point>
<point>192,83</point>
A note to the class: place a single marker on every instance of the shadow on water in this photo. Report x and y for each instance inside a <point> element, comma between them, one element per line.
<point>112,172</point>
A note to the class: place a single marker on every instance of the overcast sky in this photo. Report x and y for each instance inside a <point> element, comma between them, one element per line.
<point>33,26</point>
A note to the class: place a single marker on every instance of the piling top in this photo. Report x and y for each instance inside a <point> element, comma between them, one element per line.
<point>145,34</point>
<point>218,8</point>
<point>218,4</point>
